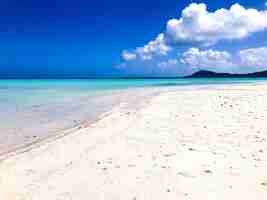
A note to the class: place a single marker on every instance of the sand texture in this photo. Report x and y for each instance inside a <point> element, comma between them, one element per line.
<point>208,144</point>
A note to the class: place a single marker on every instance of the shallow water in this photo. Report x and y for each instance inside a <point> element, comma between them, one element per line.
<point>34,109</point>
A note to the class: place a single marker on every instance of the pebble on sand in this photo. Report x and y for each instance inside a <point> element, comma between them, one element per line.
<point>208,171</point>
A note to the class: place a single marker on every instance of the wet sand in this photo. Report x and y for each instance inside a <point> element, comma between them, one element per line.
<point>185,144</point>
<point>22,125</point>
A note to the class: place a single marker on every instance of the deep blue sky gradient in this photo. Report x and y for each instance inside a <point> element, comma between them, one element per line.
<point>81,38</point>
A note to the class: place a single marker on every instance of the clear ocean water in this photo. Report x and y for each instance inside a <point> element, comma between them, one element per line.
<point>34,109</point>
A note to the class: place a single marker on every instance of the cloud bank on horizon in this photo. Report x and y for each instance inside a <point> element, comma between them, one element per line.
<point>195,41</point>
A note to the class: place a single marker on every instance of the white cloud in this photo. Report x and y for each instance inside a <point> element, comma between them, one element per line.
<point>164,65</point>
<point>254,57</point>
<point>198,25</point>
<point>155,47</point>
<point>128,56</point>
<point>194,59</point>
<point>207,58</point>
<point>202,28</point>
<point>244,61</point>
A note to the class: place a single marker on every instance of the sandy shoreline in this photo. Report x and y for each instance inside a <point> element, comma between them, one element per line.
<point>32,125</point>
<point>202,144</point>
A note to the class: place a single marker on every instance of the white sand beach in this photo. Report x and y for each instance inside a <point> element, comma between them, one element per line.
<point>208,144</point>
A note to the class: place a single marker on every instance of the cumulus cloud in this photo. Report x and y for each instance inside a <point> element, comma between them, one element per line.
<point>199,30</point>
<point>198,25</point>
<point>246,60</point>
<point>157,47</point>
<point>194,59</point>
<point>254,57</point>
<point>205,59</point>
<point>127,56</point>
<point>163,65</point>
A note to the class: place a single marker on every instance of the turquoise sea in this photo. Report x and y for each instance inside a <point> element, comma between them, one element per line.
<point>34,109</point>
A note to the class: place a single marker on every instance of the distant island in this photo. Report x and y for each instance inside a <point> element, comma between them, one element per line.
<point>211,74</point>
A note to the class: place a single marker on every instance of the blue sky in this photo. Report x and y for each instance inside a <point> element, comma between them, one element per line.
<point>84,38</point>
